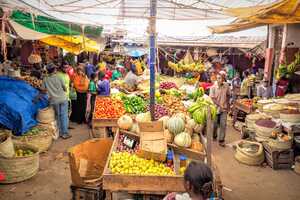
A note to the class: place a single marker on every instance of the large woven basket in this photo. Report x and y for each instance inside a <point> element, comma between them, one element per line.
<point>46,115</point>
<point>293,118</point>
<point>18,169</point>
<point>280,145</point>
<point>6,146</point>
<point>248,158</point>
<point>264,132</point>
<point>42,141</point>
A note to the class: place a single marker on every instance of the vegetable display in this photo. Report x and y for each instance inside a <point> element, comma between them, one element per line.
<point>199,110</point>
<point>167,85</point>
<point>198,93</point>
<point>34,131</point>
<point>107,108</point>
<point>175,125</point>
<point>173,103</point>
<point>134,104</point>
<point>160,111</point>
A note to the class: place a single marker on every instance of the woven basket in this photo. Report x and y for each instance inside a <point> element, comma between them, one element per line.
<point>280,145</point>
<point>42,141</point>
<point>265,132</point>
<point>46,115</point>
<point>247,158</point>
<point>293,118</point>
<point>18,169</point>
<point>6,147</point>
<point>297,165</point>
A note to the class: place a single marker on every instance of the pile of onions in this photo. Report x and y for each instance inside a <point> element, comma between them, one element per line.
<point>160,111</point>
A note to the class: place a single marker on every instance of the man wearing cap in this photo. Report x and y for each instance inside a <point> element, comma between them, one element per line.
<point>56,89</point>
<point>263,90</point>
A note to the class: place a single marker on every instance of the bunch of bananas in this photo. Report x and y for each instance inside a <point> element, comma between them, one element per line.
<point>197,94</point>
<point>199,110</point>
<point>180,67</point>
<point>292,67</point>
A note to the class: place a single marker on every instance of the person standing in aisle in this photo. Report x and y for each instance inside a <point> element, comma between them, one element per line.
<point>131,79</point>
<point>93,95</point>
<point>81,84</point>
<point>220,94</point>
<point>89,69</point>
<point>56,89</point>
<point>264,90</point>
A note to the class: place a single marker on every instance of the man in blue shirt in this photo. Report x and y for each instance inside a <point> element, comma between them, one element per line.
<point>89,69</point>
<point>103,85</point>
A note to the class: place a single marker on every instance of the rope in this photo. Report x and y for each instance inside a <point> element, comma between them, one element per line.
<point>3,35</point>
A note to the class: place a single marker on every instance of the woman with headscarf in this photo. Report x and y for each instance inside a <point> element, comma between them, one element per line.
<point>81,84</point>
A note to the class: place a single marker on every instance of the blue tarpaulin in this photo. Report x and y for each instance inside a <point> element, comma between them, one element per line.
<point>17,109</point>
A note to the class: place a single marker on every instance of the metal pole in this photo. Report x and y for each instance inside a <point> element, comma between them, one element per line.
<point>152,38</point>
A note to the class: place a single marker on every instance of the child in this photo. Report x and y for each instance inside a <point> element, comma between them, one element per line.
<point>198,183</point>
<point>93,93</point>
<point>103,85</point>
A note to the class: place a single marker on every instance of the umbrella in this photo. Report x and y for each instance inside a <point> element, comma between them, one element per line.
<point>136,53</point>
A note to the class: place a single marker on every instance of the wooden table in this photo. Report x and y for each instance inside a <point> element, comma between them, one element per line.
<point>102,124</point>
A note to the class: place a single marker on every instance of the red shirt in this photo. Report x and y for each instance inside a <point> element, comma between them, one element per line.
<point>108,73</point>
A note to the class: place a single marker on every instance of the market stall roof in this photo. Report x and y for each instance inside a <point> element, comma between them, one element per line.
<point>207,41</point>
<point>133,15</point>
<point>279,12</point>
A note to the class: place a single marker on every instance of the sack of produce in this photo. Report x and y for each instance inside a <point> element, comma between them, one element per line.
<point>46,115</point>
<point>6,145</point>
<point>249,153</point>
<point>22,166</point>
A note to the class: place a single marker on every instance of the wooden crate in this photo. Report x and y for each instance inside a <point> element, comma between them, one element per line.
<point>278,159</point>
<point>139,184</point>
<point>87,193</point>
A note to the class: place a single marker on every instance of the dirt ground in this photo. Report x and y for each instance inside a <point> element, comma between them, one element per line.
<point>243,182</point>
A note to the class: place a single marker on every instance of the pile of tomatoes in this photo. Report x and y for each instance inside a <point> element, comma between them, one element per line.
<point>107,108</point>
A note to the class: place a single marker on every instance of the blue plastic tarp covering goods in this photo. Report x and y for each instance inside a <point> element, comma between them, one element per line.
<point>17,106</point>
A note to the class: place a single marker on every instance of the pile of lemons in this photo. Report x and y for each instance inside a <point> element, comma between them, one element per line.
<point>126,163</point>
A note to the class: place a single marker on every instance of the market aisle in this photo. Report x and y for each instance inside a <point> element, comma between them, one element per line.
<point>247,182</point>
<point>53,179</point>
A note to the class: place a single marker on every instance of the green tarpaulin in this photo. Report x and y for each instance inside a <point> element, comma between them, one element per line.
<point>51,26</point>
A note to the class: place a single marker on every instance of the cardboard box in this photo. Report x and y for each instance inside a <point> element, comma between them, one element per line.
<point>153,144</point>
<point>87,161</point>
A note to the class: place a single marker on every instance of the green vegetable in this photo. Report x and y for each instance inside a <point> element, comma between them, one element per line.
<point>134,104</point>
<point>199,110</point>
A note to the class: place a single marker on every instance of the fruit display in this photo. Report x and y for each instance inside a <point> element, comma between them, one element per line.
<point>143,117</point>
<point>182,170</point>
<point>160,111</point>
<point>198,93</point>
<point>23,152</point>
<point>165,120</point>
<point>167,85</point>
<point>183,139</point>
<point>246,102</point>
<point>126,163</point>
<point>127,144</point>
<point>33,81</point>
<point>34,131</point>
<point>198,110</point>
<point>292,67</point>
<point>181,67</point>
<point>108,108</point>
<point>134,104</point>
<point>173,103</point>
<point>176,125</point>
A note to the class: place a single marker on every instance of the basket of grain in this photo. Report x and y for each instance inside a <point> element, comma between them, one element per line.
<point>252,118</point>
<point>291,115</point>
<point>22,166</point>
<point>39,137</point>
<point>265,127</point>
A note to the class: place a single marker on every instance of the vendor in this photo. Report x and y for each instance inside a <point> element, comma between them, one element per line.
<point>244,91</point>
<point>264,90</point>
<point>103,85</point>
<point>117,72</point>
<point>198,183</point>
<point>131,79</point>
